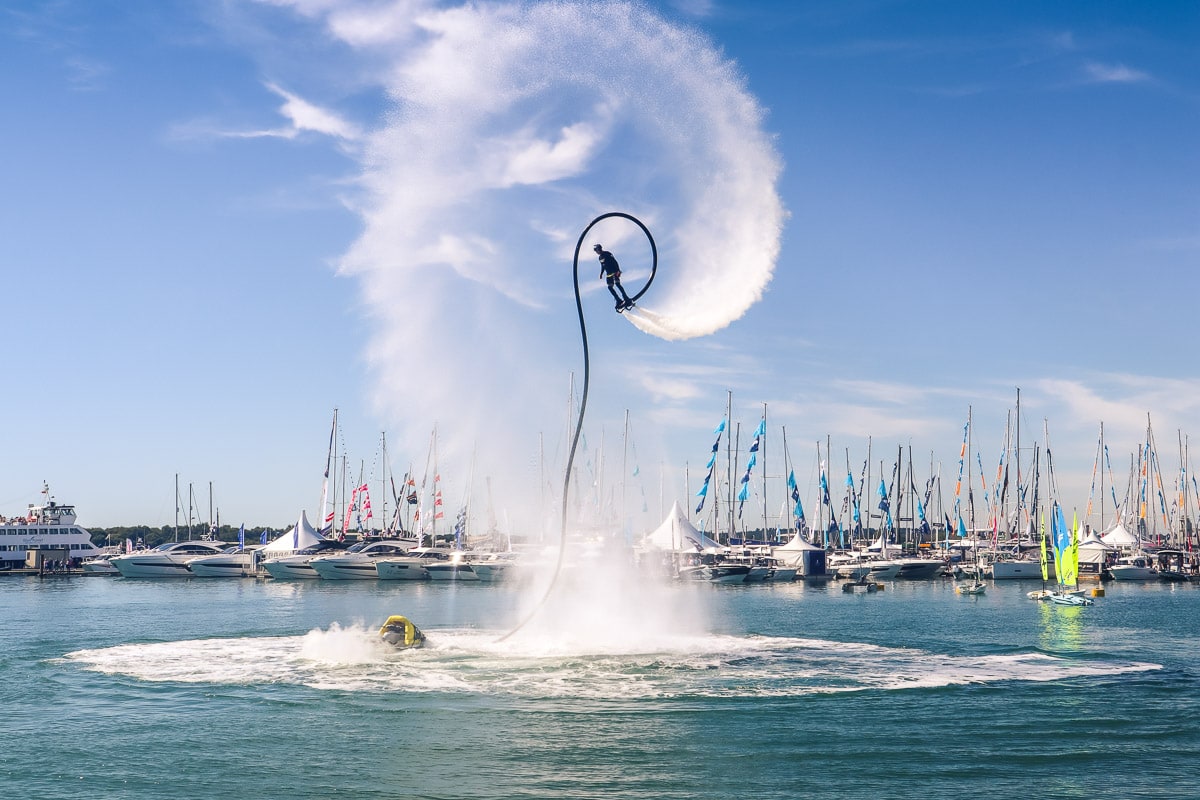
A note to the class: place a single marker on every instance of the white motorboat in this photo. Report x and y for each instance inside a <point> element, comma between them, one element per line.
<point>917,569</point>
<point>288,556</point>
<point>358,563</point>
<point>297,566</point>
<point>883,570</point>
<point>412,566</point>
<point>1133,568</point>
<point>168,560</point>
<point>500,567</point>
<point>101,564</point>
<point>1015,569</point>
<point>233,563</point>
<point>458,567</point>
<point>49,526</point>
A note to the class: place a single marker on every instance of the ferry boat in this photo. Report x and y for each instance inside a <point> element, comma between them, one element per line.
<point>49,526</point>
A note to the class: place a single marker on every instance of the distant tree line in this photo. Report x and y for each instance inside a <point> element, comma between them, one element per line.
<point>153,536</point>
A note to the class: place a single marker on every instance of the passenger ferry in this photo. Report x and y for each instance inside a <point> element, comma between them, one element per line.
<point>49,526</point>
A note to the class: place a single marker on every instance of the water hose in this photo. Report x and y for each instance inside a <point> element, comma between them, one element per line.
<point>562,544</point>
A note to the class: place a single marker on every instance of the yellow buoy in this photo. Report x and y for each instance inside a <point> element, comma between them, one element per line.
<point>1097,592</point>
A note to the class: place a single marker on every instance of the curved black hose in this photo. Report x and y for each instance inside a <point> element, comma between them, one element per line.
<point>562,544</point>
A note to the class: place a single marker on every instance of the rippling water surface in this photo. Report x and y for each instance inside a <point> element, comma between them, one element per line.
<point>202,689</point>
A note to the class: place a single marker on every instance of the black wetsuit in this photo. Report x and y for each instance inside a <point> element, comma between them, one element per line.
<point>611,270</point>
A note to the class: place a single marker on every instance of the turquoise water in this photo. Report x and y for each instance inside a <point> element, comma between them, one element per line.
<point>119,688</point>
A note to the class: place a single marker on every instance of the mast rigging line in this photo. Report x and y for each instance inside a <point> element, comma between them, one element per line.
<point>562,543</point>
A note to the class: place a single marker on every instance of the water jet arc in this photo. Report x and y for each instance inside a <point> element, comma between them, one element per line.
<point>562,543</point>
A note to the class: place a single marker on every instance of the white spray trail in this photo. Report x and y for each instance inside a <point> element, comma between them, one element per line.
<point>512,126</point>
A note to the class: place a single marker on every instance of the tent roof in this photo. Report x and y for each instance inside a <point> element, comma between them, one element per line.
<point>1118,536</point>
<point>796,543</point>
<point>298,537</point>
<point>677,533</point>
<point>1094,542</point>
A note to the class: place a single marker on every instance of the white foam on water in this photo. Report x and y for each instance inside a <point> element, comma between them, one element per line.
<point>466,661</point>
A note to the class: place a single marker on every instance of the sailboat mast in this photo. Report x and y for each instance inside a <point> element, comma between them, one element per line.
<point>329,461</point>
<point>383,479</point>
<point>1104,456</point>
<point>728,464</point>
<point>762,451</point>
<point>1017,458</point>
<point>970,488</point>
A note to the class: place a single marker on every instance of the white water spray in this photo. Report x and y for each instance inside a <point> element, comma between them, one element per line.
<point>511,126</point>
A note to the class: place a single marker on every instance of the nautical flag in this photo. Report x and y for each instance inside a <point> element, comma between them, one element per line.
<point>703,493</point>
<point>962,528</point>
<point>412,498</point>
<point>744,492</point>
<point>329,517</point>
<point>884,505</point>
<point>798,511</point>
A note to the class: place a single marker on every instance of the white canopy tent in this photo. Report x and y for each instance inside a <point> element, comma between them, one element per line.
<point>300,536</point>
<point>1119,537</point>
<point>677,534</point>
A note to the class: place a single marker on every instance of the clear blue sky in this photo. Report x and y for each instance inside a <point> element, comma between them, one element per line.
<point>223,220</point>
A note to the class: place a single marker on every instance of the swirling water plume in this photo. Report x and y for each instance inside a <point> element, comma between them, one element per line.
<point>511,125</point>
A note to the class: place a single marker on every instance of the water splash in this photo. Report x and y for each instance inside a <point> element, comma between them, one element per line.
<point>473,662</point>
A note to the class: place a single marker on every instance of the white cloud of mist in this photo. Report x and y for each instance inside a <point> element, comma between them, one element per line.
<point>511,127</point>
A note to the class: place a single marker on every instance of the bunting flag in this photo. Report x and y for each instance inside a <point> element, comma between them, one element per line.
<point>825,489</point>
<point>798,511</point>
<point>711,466</point>
<point>460,528</point>
<point>962,528</point>
<point>744,492</point>
<point>852,498</point>
<point>437,505</point>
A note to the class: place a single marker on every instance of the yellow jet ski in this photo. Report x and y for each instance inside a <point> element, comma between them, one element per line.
<point>400,632</point>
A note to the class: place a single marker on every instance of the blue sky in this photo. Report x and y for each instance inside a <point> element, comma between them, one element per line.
<point>223,220</point>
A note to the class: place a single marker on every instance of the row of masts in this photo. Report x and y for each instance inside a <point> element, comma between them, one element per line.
<point>1014,511</point>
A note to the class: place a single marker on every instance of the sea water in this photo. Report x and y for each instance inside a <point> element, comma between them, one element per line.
<point>218,688</point>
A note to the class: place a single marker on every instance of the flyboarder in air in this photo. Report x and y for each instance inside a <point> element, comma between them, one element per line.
<point>610,269</point>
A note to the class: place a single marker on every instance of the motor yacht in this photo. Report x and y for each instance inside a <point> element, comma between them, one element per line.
<point>412,566</point>
<point>168,560</point>
<point>458,567</point>
<point>235,562</point>
<point>1133,568</point>
<point>358,562</point>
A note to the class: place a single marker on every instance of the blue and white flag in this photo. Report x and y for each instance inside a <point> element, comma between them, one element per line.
<point>242,537</point>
